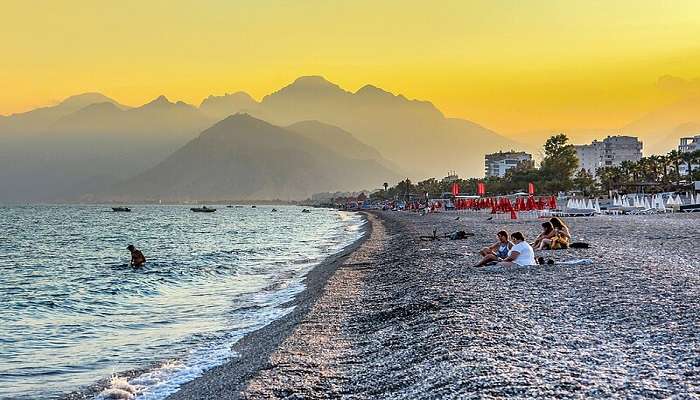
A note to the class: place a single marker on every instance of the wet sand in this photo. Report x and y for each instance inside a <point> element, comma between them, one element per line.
<point>402,318</point>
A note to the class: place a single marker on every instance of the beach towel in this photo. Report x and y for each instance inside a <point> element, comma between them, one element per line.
<point>580,261</point>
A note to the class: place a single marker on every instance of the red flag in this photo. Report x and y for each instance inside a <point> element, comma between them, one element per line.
<point>531,188</point>
<point>481,189</point>
<point>455,189</point>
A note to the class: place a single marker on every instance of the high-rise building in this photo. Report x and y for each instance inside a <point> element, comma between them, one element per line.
<point>687,145</point>
<point>611,151</point>
<point>497,164</point>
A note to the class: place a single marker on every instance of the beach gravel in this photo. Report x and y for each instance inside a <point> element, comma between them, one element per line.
<point>401,318</point>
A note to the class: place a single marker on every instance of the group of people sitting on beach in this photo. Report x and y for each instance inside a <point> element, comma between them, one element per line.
<point>515,251</point>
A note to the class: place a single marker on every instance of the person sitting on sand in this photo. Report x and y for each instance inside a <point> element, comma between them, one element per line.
<point>547,233</point>
<point>137,257</point>
<point>521,254</point>
<point>561,237</point>
<point>497,251</point>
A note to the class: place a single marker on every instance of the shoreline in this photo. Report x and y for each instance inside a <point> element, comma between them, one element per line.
<point>392,316</point>
<point>402,318</point>
<point>247,348</point>
<point>227,380</point>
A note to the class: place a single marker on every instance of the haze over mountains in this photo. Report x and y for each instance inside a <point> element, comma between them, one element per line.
<point>89,145</point>
<point>246,158</point>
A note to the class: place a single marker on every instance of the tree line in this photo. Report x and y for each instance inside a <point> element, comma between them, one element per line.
<point>558,172</point>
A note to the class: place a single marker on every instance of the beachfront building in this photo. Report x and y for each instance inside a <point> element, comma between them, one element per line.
<point>496,164</point>
<point>611,151</point>
<point>688,145</point>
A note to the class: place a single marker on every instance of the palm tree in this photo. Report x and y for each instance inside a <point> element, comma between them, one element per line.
<point>690,158</point>
<point>664,163</point>
<point>655,163</point>
<point>610,177</point>
<point>629,169</point>
<point>674,157</point>
<point>696,158</point>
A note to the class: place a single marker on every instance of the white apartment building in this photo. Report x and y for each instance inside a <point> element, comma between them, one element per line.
<point>497,164</point>
<point>611,151</point>
<point>687,145</point>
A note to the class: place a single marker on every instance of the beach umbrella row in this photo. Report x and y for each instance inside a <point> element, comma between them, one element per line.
<point>652,202</point>
<point>504,204</point>
<point>674,201</point>
<point>583,204</point>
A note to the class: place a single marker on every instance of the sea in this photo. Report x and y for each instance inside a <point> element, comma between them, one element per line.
<point>73,312</point>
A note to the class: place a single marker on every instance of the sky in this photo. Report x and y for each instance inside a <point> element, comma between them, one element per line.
<point>512,66</point>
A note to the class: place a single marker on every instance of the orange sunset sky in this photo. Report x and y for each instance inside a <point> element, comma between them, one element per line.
<point>509,65</point>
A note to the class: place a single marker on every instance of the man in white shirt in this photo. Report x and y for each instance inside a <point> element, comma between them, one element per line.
<point>521,254</point>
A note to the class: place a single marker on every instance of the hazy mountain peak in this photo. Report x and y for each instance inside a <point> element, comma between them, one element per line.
<point>308,87</point>
<point>371,89</point>
<point>159,101</point>
<point>85,99</point>
<point>237,121</point>
<point>239,96</point>
<point>230,103</point>
<point>313,81</point>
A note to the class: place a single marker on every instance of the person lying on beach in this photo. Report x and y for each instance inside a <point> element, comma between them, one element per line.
<point>521,254</point>
<point>497,251</point>
<point>137,257</point>
<point>561,237</point>
<point>547,233</point>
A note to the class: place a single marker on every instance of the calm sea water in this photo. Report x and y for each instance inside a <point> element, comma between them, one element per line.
<point>72,311</point>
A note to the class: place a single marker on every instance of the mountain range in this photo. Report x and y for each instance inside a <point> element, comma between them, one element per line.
<point>90,145</point>
<point>245,158</point>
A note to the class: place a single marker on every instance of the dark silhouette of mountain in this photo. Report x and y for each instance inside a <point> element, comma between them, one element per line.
<point>45,151</point>
<point>412,133</point>
<point>336,139</point>
<point>243,158</point>
<point>220,107</point>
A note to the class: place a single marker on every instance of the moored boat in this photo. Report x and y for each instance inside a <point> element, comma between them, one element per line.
<point>203,209</point>
<point>121,209</point>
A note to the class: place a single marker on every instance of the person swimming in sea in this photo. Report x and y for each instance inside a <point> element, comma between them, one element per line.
<point>497,251</point>
<point>137,257</point>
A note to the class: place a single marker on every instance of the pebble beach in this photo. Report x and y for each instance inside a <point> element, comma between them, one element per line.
<point>396,317</point>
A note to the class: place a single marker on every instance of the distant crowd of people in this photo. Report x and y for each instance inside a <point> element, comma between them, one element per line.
<point>513,250</point>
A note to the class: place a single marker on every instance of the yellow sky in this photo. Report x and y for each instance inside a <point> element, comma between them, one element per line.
<point>509,65</point>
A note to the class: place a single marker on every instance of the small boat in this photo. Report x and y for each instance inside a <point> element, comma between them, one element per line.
<point>121,209</point>
<point>305,211</point>
<point>203,209</point>
<point>229,206</point>
<point>274,210</point>
<point>253,206</point>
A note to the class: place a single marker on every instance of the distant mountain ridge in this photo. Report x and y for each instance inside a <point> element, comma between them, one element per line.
<point>56,153</point>
<point>245,158</point>
<point>89,136</point>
